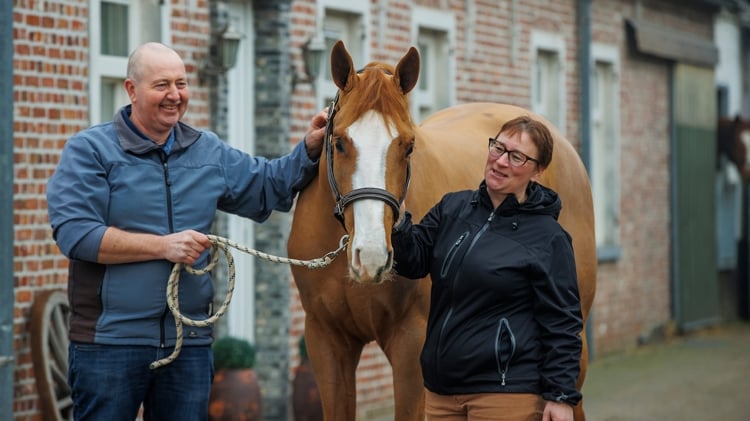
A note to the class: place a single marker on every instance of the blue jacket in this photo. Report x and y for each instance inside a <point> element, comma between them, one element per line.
<point>505,312</point>
<point>113,175</point>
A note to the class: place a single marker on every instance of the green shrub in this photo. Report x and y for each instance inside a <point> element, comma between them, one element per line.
<point>232,353</point>
<point>302,348</point>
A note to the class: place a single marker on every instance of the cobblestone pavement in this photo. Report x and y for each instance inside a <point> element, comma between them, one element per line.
<point>702,376</point>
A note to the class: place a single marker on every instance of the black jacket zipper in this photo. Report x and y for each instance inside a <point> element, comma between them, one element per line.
<point>168,184</point>
<point>502,367</point>
<point>455,279</point>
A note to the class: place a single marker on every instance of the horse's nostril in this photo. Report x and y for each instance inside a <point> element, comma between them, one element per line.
<point>356,260</point>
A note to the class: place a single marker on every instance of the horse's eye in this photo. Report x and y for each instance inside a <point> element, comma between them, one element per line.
<point>409,149</point>
<point>339,145</point>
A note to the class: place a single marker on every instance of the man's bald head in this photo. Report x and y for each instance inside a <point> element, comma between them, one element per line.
<point>145,51</point>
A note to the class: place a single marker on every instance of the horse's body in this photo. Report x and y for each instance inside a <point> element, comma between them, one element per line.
<point>355,300</point>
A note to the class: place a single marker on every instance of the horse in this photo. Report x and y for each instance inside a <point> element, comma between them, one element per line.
<point>733,141</point>
<point>376,159</point>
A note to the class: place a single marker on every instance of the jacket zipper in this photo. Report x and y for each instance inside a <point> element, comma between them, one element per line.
<point>452,254</point>
<point>168,184</point>
<point>502,369</point>
<point>455,279</point>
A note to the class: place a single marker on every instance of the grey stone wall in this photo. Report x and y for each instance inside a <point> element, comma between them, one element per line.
<point>272,117</point>
<point>272,132</point>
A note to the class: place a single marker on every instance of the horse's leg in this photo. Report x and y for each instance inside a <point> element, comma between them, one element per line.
<point>334,357</point>
<point>403,348</point>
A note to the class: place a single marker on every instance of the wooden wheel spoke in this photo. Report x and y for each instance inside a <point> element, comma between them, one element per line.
<point>65,403</point>
<point>59,374</point>
<point>49,351</point>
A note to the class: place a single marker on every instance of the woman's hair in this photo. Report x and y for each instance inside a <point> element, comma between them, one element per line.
<point>537,131</point>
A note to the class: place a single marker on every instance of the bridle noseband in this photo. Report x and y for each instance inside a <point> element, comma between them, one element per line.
<point>342,201</point>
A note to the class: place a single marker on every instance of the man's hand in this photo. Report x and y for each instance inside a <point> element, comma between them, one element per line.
<point>120,246</point>
<point>185,247</point>
<point>315,134</point>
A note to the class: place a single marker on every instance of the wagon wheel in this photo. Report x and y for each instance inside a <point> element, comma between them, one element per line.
<point>49,352</point>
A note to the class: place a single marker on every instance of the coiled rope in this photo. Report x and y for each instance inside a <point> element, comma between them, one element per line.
<point>223,244</point>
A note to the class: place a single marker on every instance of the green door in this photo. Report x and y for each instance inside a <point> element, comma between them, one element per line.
<point>695,276</point>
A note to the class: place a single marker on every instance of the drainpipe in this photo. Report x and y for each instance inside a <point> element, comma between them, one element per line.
<point>583,12</point>
<point>7,365</point>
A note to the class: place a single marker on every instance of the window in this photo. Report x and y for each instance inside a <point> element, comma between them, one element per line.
<point>605,151</point>
<point>434,33</point>
<point>345,21</point>
<point>117,26</point>
<point>548,78</point>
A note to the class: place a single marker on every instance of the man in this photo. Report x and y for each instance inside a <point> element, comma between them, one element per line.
<point>129,199</point>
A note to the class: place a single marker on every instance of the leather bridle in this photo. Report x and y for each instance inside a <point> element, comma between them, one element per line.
<point>343,200</point>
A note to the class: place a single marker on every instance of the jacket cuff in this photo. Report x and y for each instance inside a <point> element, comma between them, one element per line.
<point>560,397</point>
<point>402,223</point>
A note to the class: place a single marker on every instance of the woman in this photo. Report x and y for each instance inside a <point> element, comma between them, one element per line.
<point>503,330</point>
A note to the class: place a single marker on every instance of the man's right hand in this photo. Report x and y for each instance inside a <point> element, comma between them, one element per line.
<point>185,247</point>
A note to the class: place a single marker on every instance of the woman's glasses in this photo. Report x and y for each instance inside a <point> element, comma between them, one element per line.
<point>515,158</point>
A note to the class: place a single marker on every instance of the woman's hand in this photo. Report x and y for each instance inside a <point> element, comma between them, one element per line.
<point>557,411</point>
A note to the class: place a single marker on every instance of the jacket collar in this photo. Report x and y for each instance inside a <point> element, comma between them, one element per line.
<point>539,200</point>
<point>133,140</point>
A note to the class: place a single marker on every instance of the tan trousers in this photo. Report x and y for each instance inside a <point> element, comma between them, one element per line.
<point>484,407</point>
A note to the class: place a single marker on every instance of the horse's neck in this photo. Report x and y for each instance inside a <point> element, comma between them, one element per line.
<point>317,198</point>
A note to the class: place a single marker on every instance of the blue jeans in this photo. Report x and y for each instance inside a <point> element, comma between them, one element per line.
<point>109,382</point>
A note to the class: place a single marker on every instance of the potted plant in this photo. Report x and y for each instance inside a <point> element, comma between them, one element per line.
<point>306,403</point>
<point>235,393</point>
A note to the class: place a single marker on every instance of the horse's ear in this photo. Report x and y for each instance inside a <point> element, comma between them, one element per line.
<point>342,67</point>
<point>407,70</point>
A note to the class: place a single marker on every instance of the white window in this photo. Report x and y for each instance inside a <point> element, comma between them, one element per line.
<point>241,134</point>
<point>434,32</point>
<point>605,150</point>
<point>548,77</point>
<point>341,20</point>
<point>116,28</point>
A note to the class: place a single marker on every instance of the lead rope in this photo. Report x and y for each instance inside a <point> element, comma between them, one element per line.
<point>223,244</point>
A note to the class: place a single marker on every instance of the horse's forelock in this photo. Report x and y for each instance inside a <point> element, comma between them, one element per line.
<point>375,91</point>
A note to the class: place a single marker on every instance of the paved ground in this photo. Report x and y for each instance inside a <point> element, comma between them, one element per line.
<point>704,376</point>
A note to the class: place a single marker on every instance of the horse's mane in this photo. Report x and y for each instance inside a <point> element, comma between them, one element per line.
<point>374,90</point>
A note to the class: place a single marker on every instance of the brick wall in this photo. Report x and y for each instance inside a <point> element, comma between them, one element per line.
<point>50,76</point>
<point>633,297</point>
<point>51,103</point>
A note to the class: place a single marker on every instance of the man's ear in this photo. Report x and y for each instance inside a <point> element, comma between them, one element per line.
<point>130,89</point>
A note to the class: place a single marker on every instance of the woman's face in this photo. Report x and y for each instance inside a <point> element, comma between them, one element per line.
<point>504,177</point>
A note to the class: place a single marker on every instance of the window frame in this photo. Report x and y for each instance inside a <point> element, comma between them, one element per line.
<point>549,43</point>
<point>438,29</point>
<point>106,67</point>
<point>351,18</point>
<point>609,56</point>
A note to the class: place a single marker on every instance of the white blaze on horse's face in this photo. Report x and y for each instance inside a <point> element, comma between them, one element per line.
<point>369,252</point>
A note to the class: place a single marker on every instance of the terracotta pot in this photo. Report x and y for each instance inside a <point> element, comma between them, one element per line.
<point>235,396</point>
<point>305,396</point>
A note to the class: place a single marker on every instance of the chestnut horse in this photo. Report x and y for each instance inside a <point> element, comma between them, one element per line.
<point>375,159</point>
<point>733,141</point>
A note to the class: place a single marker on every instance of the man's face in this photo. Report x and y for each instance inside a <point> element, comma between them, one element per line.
<point>160,95</point>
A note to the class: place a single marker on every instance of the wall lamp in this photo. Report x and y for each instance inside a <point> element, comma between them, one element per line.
<point>312,56</point>
<point>227,44</point>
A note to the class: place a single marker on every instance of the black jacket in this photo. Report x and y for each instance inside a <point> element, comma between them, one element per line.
<point>505,312</point>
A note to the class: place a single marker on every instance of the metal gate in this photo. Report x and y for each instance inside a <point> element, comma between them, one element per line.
<point>695,279</point>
